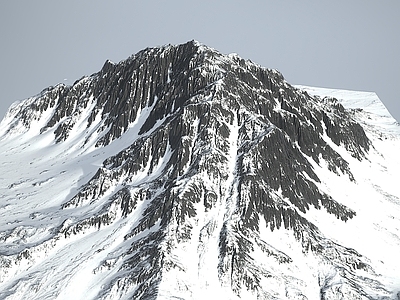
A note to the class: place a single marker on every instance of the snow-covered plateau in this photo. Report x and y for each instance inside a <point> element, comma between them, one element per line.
<point>183,173</point>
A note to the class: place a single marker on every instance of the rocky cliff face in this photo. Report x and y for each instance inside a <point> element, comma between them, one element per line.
<point>193,163</point>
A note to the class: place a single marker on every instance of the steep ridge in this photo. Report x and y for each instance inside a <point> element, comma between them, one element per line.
<point>180,172</point>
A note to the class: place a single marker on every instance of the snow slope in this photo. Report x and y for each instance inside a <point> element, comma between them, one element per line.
<point>176,195</point>
<point>376,194</point>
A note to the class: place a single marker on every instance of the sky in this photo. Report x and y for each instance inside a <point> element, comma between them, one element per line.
<point>352,45</point>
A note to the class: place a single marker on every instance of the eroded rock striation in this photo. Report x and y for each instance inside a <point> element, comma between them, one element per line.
<point>217,151</point>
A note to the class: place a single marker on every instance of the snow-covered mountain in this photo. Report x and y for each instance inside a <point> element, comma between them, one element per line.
<point>183,173</point>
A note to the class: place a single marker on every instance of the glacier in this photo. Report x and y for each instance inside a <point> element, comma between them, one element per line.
<point>182,173</point>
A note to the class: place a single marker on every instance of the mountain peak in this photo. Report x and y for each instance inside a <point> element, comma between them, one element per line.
<point>182,171</point>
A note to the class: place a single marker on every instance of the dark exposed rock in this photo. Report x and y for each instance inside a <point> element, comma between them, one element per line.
<point>214,129</point>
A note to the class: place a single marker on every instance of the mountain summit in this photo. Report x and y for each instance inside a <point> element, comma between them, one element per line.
<point>183,173</point>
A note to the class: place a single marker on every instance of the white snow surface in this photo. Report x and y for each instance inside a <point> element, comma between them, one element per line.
<point>369,102</point>
<point>375,196</point>
<point>37,176</point>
